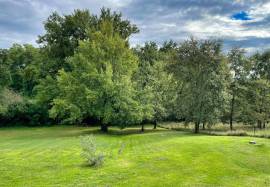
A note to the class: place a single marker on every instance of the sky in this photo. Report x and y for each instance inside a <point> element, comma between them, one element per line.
<point>239,23</point>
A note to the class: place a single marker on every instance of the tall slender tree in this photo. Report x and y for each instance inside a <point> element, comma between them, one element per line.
<point>240,71</point>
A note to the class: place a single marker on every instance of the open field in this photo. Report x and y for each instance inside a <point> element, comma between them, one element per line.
<point>50,156</point>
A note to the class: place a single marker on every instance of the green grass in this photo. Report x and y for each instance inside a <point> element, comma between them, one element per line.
<point>50,156</point>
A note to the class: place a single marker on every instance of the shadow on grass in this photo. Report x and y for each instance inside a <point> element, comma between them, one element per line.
<point>124,132</point>
<point>62,131</point>
<point>85,165</point>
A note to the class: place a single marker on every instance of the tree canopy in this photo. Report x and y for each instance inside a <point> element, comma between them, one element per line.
<point>84,70</point>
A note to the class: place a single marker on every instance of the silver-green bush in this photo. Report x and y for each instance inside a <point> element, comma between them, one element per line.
<point>90,151</point>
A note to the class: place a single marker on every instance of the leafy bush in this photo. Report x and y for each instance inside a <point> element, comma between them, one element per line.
<point>24,112</point>
<point>8,98</point>
<point>90,151</point>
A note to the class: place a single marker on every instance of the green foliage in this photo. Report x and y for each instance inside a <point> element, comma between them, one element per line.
<point>64,33</point>
<point>200,70</point>
<point>24,62</point>
<point>155,84</point>
<point>4,69</point>
<point>261,64</point>
<point>46,91</point>
<point>62,38</point>
<point>123,27</point>
<point>85,70</point>
<point>99,83</point>
<point>164,90</point>
<point>17,109</point>
<point>256,108</point>
<point>8,98</point>
<point>251,88</point>
<point>91,152</point>
<point>148,55</point>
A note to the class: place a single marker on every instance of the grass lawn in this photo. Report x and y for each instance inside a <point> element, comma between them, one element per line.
<point>50,156</point>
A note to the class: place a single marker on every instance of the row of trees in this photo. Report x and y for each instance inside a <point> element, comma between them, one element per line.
<point>85,71</point>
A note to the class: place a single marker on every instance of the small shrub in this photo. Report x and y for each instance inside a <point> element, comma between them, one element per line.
<point>90,151</point>
<point>121,148</point>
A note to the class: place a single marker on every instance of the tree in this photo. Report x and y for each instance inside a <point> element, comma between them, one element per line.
<point>153,82</point>
<point>61,39</point>
<point>239,67</point>
<point>163,88</point>
<point>4,80</point>
<point>121,26</point>
<point>4,69</point>
<point>258,91</point>
<point>168,47</point>
<point>262,65</point>
<point>24,63</point>
<point>200,70</point>
<point>99,83</point>
<point>63,34</point>
<point>257,105</point>
<point>148,55</point>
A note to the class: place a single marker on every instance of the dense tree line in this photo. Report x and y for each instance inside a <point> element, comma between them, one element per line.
<point>84,71</point>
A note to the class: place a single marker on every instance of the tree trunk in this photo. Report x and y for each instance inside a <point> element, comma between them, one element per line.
<point>197,127</point>
<point>203,126</point>
<point>264,126</point>
<point>259,124</point>
<point>155,124</point>
<point>231,114</point>
<point>142,128</point>
<point>259,121</point>
<point>104,128</point>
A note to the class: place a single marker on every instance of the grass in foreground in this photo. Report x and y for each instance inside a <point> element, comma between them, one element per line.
<point>50,156</point>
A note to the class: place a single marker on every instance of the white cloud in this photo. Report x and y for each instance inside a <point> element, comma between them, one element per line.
<point>224,27</point>
<point>260,11</point>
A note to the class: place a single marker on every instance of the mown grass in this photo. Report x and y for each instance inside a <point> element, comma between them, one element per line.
<point>50,156</point>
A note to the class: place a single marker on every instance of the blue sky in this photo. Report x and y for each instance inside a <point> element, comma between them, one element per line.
<point>242,23</point>
<point>243,16</point>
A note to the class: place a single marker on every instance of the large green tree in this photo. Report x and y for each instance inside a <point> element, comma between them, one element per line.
<point>63,34</point>
<point>200,69</point>
<point>61,39</point>
<point>99,84</point>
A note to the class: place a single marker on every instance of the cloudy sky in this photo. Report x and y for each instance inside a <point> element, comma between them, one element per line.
<point>242,23</point>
